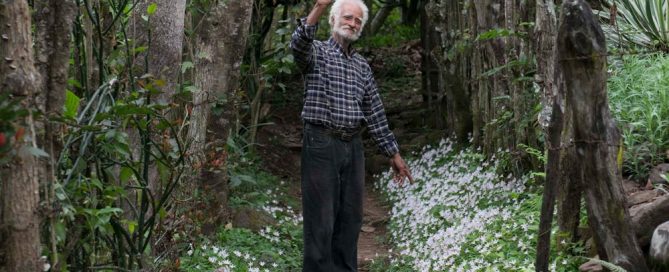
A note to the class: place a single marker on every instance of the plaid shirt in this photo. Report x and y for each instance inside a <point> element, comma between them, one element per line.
<point>340,90</point>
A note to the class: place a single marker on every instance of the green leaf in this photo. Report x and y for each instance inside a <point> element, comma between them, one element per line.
<point>126,174</point>
<point>191,89</point>
<point>131,226</point>
<point>108,210</point>
<point>73,82</point>
<point>185,66</point>
<point>59,228</point>
<point>71,104</point>
<point>162,213</point>
<point>37,152</point>
<point>235,181</point>
<point>140,49</point>
<point>151,9</point>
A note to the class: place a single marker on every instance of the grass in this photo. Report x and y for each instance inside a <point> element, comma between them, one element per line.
<point>461,215</point>
<point>639,100</point>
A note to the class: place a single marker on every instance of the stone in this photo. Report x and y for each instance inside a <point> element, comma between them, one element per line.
<point>659,248</point>
<point>630,186</point>
<point>367,229</point>
<point>641,197</point>
<point>250,218</point>
<point>656,173</point>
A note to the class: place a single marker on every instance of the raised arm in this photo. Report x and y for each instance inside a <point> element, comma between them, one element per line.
<point>303,37</point>
<point>315,14</point>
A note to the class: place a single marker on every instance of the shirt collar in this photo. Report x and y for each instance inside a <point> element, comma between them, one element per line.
<point>334,44</point>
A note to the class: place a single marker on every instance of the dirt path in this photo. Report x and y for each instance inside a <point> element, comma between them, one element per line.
<point>371,244</point>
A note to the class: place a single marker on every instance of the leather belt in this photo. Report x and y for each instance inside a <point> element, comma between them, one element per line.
<point>340,134</point>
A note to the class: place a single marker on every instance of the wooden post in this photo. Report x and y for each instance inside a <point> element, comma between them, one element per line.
<point>545,32</point>
<point>582,58</point>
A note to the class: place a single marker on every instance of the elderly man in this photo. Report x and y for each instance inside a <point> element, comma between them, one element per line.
<point>340,97</point>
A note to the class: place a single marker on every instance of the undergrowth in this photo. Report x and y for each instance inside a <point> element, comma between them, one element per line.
<point>462,215</point>
<point>640,102</point>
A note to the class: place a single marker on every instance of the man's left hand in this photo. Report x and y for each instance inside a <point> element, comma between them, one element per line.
<point>400,169</point>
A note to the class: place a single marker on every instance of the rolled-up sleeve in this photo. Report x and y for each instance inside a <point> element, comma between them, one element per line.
<point>301,43</point>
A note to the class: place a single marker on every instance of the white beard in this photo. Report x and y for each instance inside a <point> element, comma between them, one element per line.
<point>342,31</point>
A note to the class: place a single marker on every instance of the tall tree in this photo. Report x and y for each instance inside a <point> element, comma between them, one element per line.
<point>157,25</point>
<point>485,62</point>
<point>53,23</point>
<point>220,41</point>
<point>20,181</point>
<point>164,35</point>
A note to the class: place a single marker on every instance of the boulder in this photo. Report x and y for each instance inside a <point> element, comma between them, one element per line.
<point>647,216</point>
<point>659,248</point>
<point>250,218</point>
<point>641,197</point>
<point>630,186</point>
<point>656,173</point>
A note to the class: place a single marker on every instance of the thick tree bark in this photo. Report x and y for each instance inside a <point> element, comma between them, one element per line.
<point>18,77</point>
<point>219,44</point>
<point>53,20</point>
<point>582,55</point>
<point>166,29</point>
<point>446,95</point>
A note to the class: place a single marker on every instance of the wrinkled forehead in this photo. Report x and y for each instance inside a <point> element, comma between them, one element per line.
<point>351,9</point>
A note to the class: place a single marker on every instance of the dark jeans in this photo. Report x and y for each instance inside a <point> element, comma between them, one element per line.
<point>332,192</point>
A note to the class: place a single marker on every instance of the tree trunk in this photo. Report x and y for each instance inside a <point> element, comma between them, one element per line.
<point>53,19</point>
<point>18,77</point>
<point>219,49</point>
<point>164,36</point>
<point>551,118</point>
<point>380,17</point>
<point>582,54</point>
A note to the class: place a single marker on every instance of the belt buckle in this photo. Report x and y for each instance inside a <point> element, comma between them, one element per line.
<point>342,135</point>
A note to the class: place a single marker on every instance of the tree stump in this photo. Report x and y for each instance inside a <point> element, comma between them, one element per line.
<point>582,57</point>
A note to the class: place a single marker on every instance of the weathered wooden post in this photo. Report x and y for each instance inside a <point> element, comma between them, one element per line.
<point>582,58</point>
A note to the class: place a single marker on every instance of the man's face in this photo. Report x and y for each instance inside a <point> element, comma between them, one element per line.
<point>349,23</point>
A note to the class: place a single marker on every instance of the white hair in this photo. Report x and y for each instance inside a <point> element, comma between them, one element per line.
<point>336,11</point>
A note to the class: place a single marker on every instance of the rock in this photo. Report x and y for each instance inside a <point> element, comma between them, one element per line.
<point>655,174</point>
<point>630,186</point>
<point>659,248</point>
<point>641,197</point>
<point>250,218</point>
<point>367,229</point>
<point>591,266</point>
